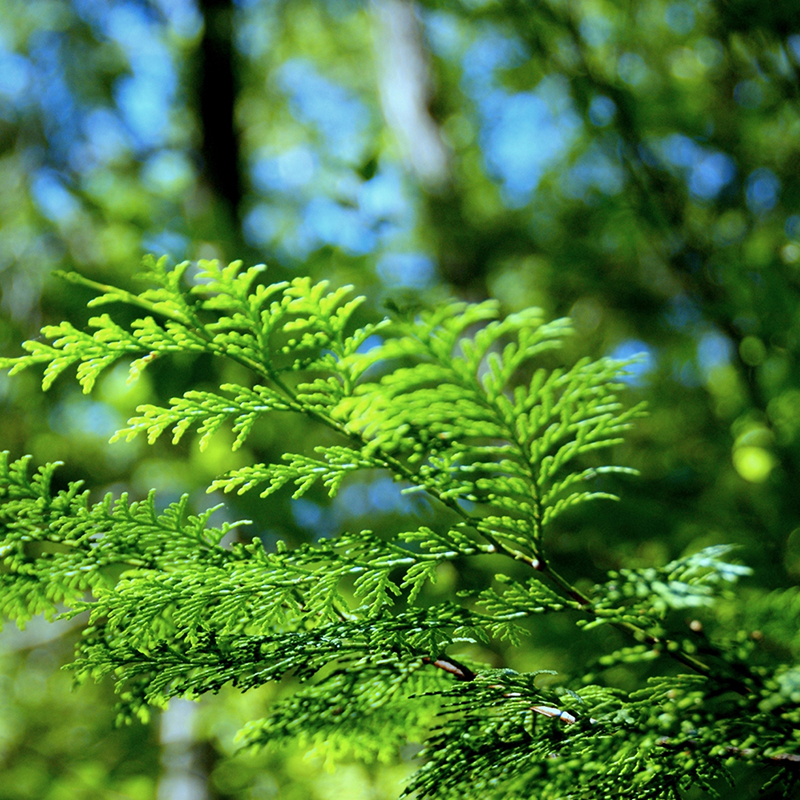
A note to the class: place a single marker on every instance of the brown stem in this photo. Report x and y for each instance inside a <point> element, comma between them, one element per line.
<point>459,670</point>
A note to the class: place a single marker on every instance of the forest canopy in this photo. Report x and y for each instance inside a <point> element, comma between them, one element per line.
<point>630,166</point>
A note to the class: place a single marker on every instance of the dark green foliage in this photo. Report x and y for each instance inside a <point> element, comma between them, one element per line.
<point>470,409</point>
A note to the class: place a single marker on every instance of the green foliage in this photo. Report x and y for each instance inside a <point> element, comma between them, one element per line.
<point>690,582</point>
<point>503,737</point>
<point>477,412</point>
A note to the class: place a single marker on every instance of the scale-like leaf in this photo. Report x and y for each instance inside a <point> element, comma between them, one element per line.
<point>454,402</point>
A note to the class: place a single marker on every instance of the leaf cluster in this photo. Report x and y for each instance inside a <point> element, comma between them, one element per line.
<point>472,409</point>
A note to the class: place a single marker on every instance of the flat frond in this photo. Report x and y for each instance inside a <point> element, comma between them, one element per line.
<point>209,412</point>
<point>304,471</point>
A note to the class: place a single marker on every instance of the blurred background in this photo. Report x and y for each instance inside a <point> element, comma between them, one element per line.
<point>633,165</point>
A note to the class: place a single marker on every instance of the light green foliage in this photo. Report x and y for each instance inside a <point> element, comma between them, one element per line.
<point>690,582</point>
<point>477,412</point>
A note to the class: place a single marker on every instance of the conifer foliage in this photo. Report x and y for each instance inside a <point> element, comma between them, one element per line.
<point>455,402</point>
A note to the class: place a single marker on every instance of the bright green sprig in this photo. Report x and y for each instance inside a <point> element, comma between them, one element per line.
<point>209,411</point>
<point>304,471</point>
<point>56,546</point>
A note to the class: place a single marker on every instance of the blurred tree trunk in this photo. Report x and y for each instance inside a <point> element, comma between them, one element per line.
<point>182,773</point>
<point>407,93</point>
<point>217,88</point>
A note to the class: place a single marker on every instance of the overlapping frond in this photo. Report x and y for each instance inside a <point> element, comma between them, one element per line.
<point>474,430</point>
<point>476,410</point>
<point>452,412</point>
<point>173,667</point>
<point>56,546</point>
<point>500,736</point>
